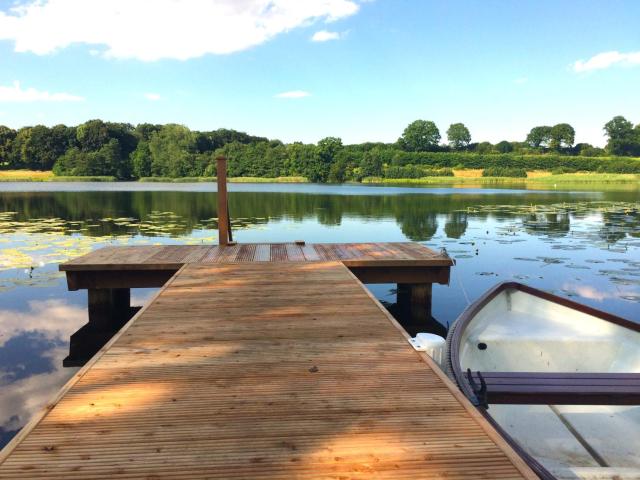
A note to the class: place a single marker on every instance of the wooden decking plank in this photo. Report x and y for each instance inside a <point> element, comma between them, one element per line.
<point>228,253</point>
<point>246,253</point>
<point>294,252</point>
<point>212,255</point>
<point>228,374</point>
<point>263,253</point>
<point>310,253</point>
<point>279,253</point>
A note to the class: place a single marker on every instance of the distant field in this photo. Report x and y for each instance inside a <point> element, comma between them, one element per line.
<point>230,179</point>
<point>25,176</point>
<point>541,179</point>
<point>466,177</point>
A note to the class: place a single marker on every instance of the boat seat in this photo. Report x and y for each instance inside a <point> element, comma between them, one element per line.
<point>538,388</point>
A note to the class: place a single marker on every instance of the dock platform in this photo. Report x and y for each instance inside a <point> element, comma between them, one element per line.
<point>109,274</point>
<point>260,370</point>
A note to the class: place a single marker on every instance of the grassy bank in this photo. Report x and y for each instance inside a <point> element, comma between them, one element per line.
<point>537,179</point>
<point>46,176</point>
<point>25,176</point>
<point>230,179</point>
<point>462,177</point>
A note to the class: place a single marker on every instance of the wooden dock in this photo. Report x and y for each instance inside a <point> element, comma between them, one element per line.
<point>260,370</point>
<point>108,274</point>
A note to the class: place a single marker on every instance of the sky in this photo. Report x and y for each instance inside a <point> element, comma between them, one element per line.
<point>301,70</point>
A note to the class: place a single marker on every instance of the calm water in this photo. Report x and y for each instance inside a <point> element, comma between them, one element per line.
<point>584,245</point>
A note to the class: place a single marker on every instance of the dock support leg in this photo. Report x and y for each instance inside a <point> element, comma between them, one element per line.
<point>414,300</point>
<point>109,310</point>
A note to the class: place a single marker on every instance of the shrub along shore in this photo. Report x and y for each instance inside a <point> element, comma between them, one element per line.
<point>98,151</point>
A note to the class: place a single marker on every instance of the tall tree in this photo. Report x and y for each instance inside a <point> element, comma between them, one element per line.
<point>92,135</point>
<point>458,136</point>
<point>172,150</point>
<point>504,147</point>
<point>562,136</point>
<point>141,160</point>
<point>6,139</point>
<point>420,136</point>
<point>622,138</point>
<point>539,136</point>
<point>327,150</point>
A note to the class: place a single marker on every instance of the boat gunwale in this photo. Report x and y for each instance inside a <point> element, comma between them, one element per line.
<point>467,316</point>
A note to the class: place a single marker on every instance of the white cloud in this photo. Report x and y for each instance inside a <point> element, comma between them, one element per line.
<point>293,94</point>
<point>324,36</point>
<point>607,59</point>
<point>177,29</point>
<point>154,97</point>
<point>521,80</point>
<point>16,93</point>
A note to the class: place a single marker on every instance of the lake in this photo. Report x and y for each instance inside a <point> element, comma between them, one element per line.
<point>584,245</point>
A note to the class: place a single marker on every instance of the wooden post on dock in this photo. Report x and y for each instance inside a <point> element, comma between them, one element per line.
<point>223,212</point>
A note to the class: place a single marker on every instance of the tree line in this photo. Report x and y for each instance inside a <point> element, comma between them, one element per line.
<point>124,151</point>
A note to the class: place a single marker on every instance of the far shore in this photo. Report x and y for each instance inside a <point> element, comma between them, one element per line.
<point>466,178</point>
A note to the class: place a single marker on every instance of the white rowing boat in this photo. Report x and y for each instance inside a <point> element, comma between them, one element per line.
<point>559,379</point>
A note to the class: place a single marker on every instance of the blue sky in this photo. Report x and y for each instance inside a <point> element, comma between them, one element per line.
<point>500,67</point>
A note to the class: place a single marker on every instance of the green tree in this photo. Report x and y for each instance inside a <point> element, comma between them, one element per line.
<point>172,151</point>
<point>458,136</point>
<point>7,136</point>
<point>539,136</point>
<point>484,147</point>
<point>92,135</point>
<point>622,137</point>
<point>141,160</point>
<point>19,156</point>
<point>371,164</point>
<point>326,151</point>
<point>420,136</point>
<point>45,145</point>
<point>562,136</point>
<point>504,147</point>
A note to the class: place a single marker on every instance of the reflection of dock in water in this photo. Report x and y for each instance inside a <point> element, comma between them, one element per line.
<point>269,361</point>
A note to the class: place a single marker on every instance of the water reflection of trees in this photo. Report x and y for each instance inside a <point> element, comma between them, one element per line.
<point>416,214</point>
<point>553,224</point>
<point>618,224</point>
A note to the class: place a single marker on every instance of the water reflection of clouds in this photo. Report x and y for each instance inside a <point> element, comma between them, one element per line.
<point>32,345</point>
<point>592,293</point>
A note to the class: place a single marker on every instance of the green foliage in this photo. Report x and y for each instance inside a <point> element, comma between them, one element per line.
<point>420,136</point>
<point>371,164</point>
<point>539,137</point>
<point>7,135</point>
<point>562,136</point>
<point>504,147</point>
<point>623,138</point>
<point>504,172</point>
<point>141,160</point>
<point>416,171</point>
<point>458,136</point>
<point>483,147</point>
<point>98,148</point>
